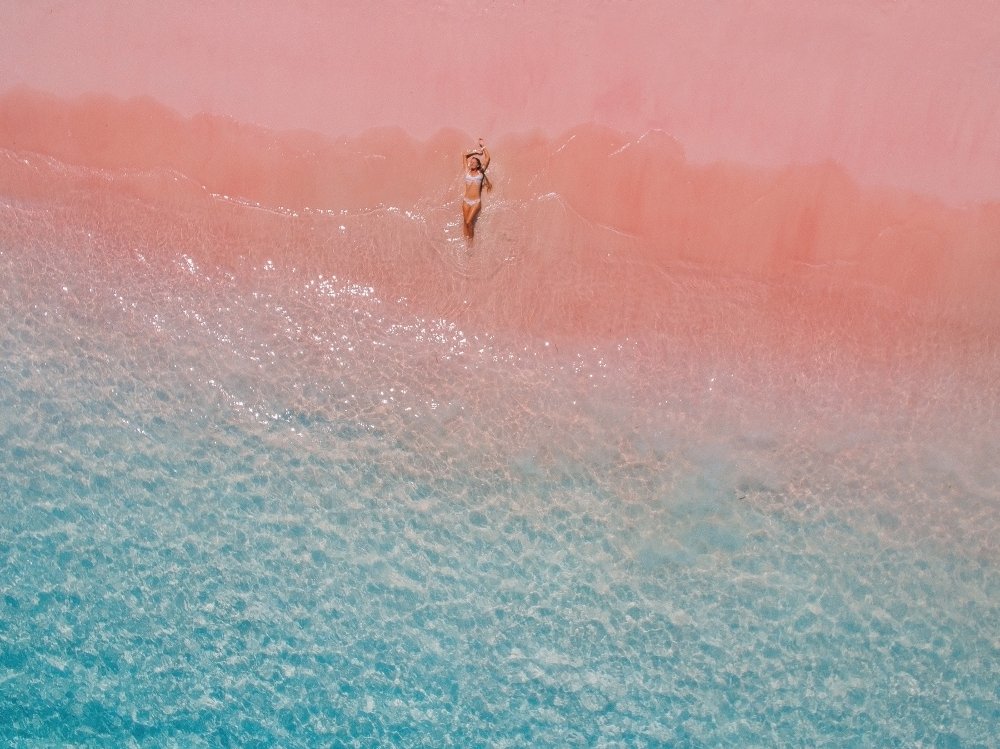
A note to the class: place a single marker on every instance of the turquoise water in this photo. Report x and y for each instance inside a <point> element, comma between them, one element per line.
<point>286,513</point>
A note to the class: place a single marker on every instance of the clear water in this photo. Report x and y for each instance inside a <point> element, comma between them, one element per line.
<point>280,511</point>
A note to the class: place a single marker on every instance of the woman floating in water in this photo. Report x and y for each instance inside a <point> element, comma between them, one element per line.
<point>474,163</point>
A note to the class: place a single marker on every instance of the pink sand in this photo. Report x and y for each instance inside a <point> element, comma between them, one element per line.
<point>897,93</point>
<point>851,148</point>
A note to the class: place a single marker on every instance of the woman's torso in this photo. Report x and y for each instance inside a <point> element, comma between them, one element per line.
<point>473,184</point>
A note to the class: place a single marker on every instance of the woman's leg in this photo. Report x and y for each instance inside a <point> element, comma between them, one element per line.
<point>469,214</point>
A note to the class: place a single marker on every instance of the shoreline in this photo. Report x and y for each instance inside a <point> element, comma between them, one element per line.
<point>593,209</point>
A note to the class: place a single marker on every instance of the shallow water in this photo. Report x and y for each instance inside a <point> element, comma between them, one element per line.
<point>262,487</point>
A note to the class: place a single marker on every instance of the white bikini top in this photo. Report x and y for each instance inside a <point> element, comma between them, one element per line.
<point>470,178</point>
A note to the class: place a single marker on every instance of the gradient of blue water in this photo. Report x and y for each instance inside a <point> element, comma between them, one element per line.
<point>203,547</point>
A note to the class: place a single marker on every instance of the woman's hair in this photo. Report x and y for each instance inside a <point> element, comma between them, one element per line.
<point>486,180</point>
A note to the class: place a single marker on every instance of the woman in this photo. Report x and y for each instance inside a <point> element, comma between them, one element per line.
<point>475,163</point>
